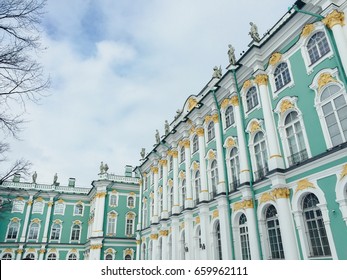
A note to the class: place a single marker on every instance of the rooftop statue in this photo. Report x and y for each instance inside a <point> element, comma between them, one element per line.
<point>143,153</point>
<point>217,72</point>
<point>102,167</point>
<point>167,128</point>
<point>231,54</point>
<point>55,179</point>
<point>157,137</point>
<point>254,32</point>
<point>34,177</point>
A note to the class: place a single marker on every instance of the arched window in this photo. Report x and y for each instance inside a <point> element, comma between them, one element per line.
<point>317,46</point>
<point>315,229</point>
<point>260,153</point>
<point>72,257</point>
<point>12,231</point>
<point>109,257</point>
<point>274,233</point>
<point>210,131</point>
<point>195,143</point>
<point>33,231</point>
<point>127,257</point>
<point>30,256</point>
<point>234,168</point>
<point>78,209</point>
<point>334,110</point>
<point>130,224</point>
<point>218,242</point>
<point>75,233</point>
<point>182,154</point>
<point>111,223</point>
<point>52,257</point>
<point>183,192</point>
<point>295,139</point>
<point>229,116</point>
<point>214,177</point>
<point>160,202</point>
<point>55,232</point>
<point>197,184</point>
<point>282,76</point>
<point>245,249</point>
<point>6,256</point>
<point>131,202</point>
<point>251,98</point>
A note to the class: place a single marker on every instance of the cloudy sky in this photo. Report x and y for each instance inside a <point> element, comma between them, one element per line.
<point>119,69</point>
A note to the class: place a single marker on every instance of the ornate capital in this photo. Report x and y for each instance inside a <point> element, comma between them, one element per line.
<point>215,118</point>
<point>100,194</point>
<point>42,251</point>
<point>265,197</point>
<point>154,236</point>
<point>30,202</point>
<point>281,193</point>
<point>138,242</point>
<point>304,184</point>
<point>185,143</point>
<point>197,220</point>
<point>215,214</point>
<point>200,131</point>
<point>154,169</point>
<point>324,79</point>
<point>344,171</point>
<point>247,84</point>
<point>334,18</point>
<point>225,103</point>
<point>50,203</point>
<point>261,79</point>
<point>173,153</point>
<point>234,101</point>
<point>307,30</point>
<point>19,251</point>
<point>163,232</point>
<point>275,58</point>
<point>163,162</point>
<point>96,247</point>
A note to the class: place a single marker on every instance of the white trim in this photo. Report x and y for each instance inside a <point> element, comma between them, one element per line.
<point>22,206</point>
<point>244,99</point>
<point>108,233</point>
<point>74,209</point>
<point>63,207</point>
<point>341,195</point>
<point>40,211</point>
<point>80,233</point>
<point>8,227</point>
<point>271,74</point>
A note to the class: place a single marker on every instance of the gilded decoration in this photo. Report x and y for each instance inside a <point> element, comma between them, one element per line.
<point>261,79</point>
<point>275,58</point>
<point>243,205</point>
<point>163,232</point>
<point>60,201</point>
<point>15,220</point>
<point>73,250</point>
<point>225,103</point>
<point>8,250</point>
<point>19,251</point>
<point>131,193</point>
<point>151,195</point>
<point>114,192</point>
<point>248,204</point>
<point>160,190</point>
<point>324,79</point>
<point>50,203</point>
<point>197,220</point>
<point>286,105</point>
<point>100,195</point>
<point>234,101</point>
<point>334,18</point>
<point>281,193</point>
<point>200,131</point>
<point>304,184</point>
<point>31,250</point>
<point>265,197</point>
<point>192,102</point>
<point>163,162</point>
<point>154,169</point>
<point>42,251</point>
<point>39,199</point>
<point>144,174</point>
<point>195,166</point>
<point>30,202</point>
<point>96,247</point>
<point>77,222</point>
<point>59,222</point>
<point>129,252</point>
<point>170,182</point>
<point>211,155</point>
<point>344,171</point>
<point>140,182</point>
<point>247,84</point>
<point>109,251</point>
<point>215,214</point>
<point>35,221</point>
<point>182,175</point>
<point>255,126</point>
<point>230,143</point>
<point>79,202</point>
<point>215,118</point>
<point>143,239</point>
<point>182,225</point>
<point>138,242</point>
<point>173,153</point>
<point>130,215</point>
<point>307,30</point>
<point>154,236</point>
<point>53,250</point>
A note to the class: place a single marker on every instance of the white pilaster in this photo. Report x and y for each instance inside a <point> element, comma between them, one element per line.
<point>252,232</point>
<point>42,252</point>
<point>19,252</point>
<point>176,206</point>
<point>189,190</point>
<point>165,214</point>
<point>99,207</point>
<point>175,238</point>
<point>139,220</point>
<point>26,220</point>
<point>275,158</point>
<point>188,231</point>
<point>155,217</point>
<point>205,231</point>
<point>203,196</point>
<point>48,217</point>
<point>95,248</point>
<point>225,228</point>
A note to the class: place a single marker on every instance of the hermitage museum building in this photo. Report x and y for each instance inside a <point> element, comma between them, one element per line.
<point>253,167</point>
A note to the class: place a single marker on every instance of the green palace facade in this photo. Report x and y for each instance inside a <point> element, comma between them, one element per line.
<point>254,165</point>
<point>54,222</point>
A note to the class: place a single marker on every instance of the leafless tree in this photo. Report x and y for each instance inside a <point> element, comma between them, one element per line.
<point>22,78</point>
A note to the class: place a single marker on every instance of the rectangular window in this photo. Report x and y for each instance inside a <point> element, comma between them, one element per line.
<point>59,209</point>
<point>38,207</point>
<point>18,206</point>
<point>129,228</point>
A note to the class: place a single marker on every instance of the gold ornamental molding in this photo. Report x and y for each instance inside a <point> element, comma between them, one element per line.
<point>15,220</point>
<point>304,184</point>
<point>307,30</point>
<point>53,250</point>
<point>100,194</point>
<point>225,103</point>
<point>275,58</point>
<point>215,214</point>
<point>131,193</point>
<point>31,250</point>
<point>163,232</point>
<point>255,126</point>
<point>334,18</point>
<point>173,153</point>
<point>130,215</point>
<point>39,199</point>
<point>8,250</point>
<point>182,175</point>
<point>138,242</point>
<point>77,222</point>
<point>140,182</point>
<point>286,105</point>
<point>281,193</point>
<point>215,118</point>
<point>154,236</point>
<point>58,222</point>
<point>192,102</point>
<point>208,118</point>
<point>265,197</point>
<point>95,247</point>
<point>129,252</point>
<point>60,201</point>
<point>243,205</point>
<point>109,251</point>
<point>143,239</point>
<point>151,195</point>
<point>197,220</point>
<point>324,79</point>
<point>42,251</point>
<point>170,182</point>
<point>30,202</point>
<point>230,143</point>
<point>200,131</point>
<point>211,155</point>
<point>195,166</point>
<point>73,250</point>
<point>261,79</point>
<point>50,203</point>
<point>247,84</point>
<point>36,220</point>
<point>160,190</point>
<point>234,101</point>
<point>154,169</point>
<point>163,162</point>
<point>144,174</point>
<point>19,251</point>
<point>344,171</point>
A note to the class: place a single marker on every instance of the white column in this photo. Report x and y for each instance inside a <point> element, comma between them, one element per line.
<point>335,21</point>
<point>301,231</point>
<point>165,214</point>
<point>100,195</point>
<point>220,157</point>
<point>164,245</point>
<point>155,218</point>
<point>95,249</point>
<point>275,157</point>
<point>48,217</point>
<point>203,173</point>
<point>175,238</point>
<point>19,252</point>
<point>286,224</point>
<point>138,246</point>
<point>252,231</point>
<point>189,191</point>
<point>42,252</point>
<point>205,231</point>
<point>176,206</point>
<point>26,220</point>
<point>225,227</point>
<point>139,220</point>
<point>242,145</point>
<point>188,231</point>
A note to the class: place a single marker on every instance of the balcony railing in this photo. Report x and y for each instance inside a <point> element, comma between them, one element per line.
<point>298,157</point>
<point>261,173</point>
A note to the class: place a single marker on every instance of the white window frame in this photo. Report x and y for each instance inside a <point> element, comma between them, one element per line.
<point>111,197</point>
<point>62,205</point>
<point>38,207</point>
<point>50,253</point>
<point>126,224</point>
<point>80,233</point>
<point>207,131</point>
<point>244,99</point>
<point>38,231</point>
<point>134,201</point>
<point>115,217</point>
<point>7,253</point>
<point>60,233</point>
<point>195,143</point>
<point>28,253</point>
<point>18,208</point>
<point>182,154</point>
<point>8,228</point>
<point>70,254</point>
<point>75,213</point>
<point>272,69</point>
